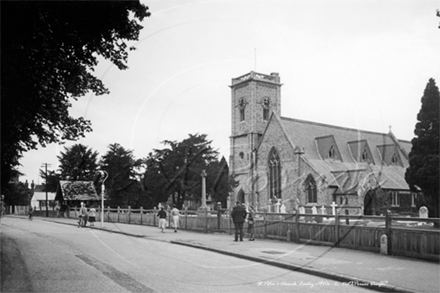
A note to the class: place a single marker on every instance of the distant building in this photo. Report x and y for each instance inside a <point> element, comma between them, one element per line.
<point>39,200</point>
<point>280,160</point>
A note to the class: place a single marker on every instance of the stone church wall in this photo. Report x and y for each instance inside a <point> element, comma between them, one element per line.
<point>240,155</point>
<point>274,136</point>
<point>240,126</point>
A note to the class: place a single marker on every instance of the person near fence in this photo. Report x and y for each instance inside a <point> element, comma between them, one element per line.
<point>175,217</point>
<point>238,216</point>
<point>162,219</point>
<point>57,209</point>
<point>251,221</point>
<point>92,216</point>
<point>82,216</point>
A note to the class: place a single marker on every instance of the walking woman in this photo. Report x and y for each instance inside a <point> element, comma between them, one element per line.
<point>251,222</point>
<point>175,217</point>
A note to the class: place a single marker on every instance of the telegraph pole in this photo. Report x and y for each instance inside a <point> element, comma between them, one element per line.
<point>45,187</point>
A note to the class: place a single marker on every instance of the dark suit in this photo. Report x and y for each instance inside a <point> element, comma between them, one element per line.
<point>238,215</point>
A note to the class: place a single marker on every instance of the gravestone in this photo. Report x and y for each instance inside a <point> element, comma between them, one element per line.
<point>277,206</point>
<point>323,210</point>
<point>423,212</point>
<point>334,205</point>
<point>314,210</point>
<point>302,210</point>
<point>283,209</point>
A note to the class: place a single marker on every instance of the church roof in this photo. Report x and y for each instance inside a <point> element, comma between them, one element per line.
<point>343,155</point>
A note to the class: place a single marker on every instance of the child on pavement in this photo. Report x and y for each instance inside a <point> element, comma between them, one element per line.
<point>92,216</point>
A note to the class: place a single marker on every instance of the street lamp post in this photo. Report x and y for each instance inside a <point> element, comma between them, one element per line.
<point>104,174</point>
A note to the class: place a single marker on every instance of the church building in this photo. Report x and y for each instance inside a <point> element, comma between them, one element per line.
<point>296,163</point>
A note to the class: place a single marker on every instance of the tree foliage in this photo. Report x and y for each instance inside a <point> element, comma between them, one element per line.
<point>19,194</point>
<point>78,162</point>
<point>51,179</point>
<point>49,51</point>
<point>176,171</point>
<point>423,170</point>
<point>122,185</point>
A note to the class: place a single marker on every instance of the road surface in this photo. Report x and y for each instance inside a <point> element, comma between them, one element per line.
<point>42,256</point>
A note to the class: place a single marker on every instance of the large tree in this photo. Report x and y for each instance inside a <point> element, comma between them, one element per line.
<point>124,170</point>
<point>423,170</point>
<point>51,180</point>
<point>154,183</point>
<point>19,194</point>
<point>48,53</point>
<point>176,171</point>
<point>78,162</point>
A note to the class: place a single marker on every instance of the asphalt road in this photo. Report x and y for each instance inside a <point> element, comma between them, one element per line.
<point>41,256</point>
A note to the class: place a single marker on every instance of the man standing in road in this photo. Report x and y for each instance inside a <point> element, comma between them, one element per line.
<point>238,215</point>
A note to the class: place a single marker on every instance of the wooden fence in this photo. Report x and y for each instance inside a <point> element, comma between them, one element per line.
<point>346,231</point>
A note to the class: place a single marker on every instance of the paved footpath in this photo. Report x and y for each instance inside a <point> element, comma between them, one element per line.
<point>366,269</point>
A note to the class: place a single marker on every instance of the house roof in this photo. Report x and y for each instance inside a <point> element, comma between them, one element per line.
<point>76,190</point>
<point>344,155</point>
<point>41,195</point>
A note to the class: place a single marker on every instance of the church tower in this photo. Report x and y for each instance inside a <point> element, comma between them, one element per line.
<point>254,96</point>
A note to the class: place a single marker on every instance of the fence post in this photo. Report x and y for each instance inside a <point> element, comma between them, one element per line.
<point>129,214</point>
<point>336,229</point>
<point>230,221</point>
<point>108,213</point>
<point>297,236</point>
<point>206,220</point>
<point>119,210</point>
<point>347,220</point>
<point>388,231</point>
<point>219,215</point>
<point>265,225</point>
<point>141,211</point>
<point>186,218</point>
<point>154,216</point>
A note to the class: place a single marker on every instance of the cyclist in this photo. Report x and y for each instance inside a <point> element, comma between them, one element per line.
<point>31,213</point>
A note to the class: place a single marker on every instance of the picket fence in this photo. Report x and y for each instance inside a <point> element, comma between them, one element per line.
<point>346,231</point>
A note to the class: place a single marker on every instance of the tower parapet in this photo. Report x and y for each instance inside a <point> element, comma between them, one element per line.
<point>273,77</point>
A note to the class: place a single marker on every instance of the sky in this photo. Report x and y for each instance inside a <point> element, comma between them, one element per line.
<point>358,64</point>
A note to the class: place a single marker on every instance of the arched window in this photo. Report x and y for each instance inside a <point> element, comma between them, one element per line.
<point>312,194</point>
<point>242,114</point>
<point>266,106</point>
<point>274,174</point>
<point>242,106</point>
<point>265,114</point>
<point>241,196</point>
